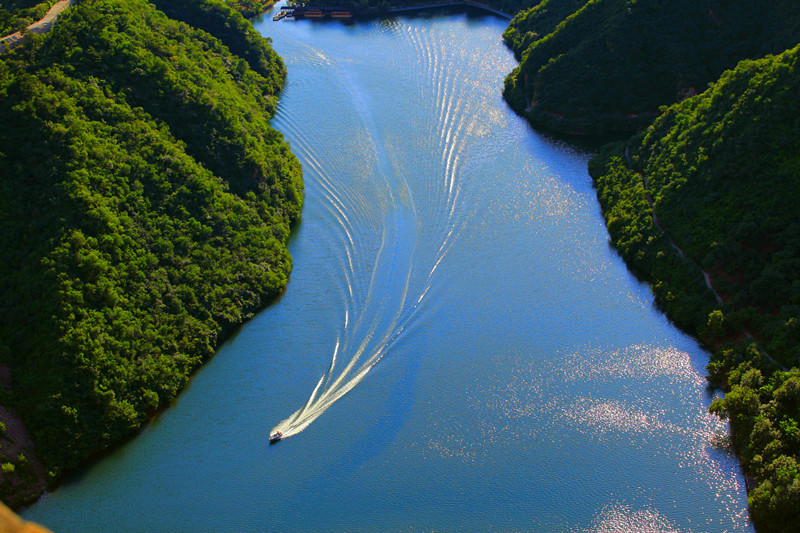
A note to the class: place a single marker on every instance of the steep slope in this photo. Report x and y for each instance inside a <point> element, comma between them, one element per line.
<point>720,173</point>
<point>17,14</point>
<point>608,65</point>
<point>230,27</point>
<point>250,8</point>
<point>536,21</point>
<point>145,203</point>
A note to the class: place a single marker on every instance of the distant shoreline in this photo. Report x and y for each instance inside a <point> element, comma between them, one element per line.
<point>299,11</point>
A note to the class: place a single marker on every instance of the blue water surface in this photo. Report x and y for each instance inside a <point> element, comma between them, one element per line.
<point>458,349</point>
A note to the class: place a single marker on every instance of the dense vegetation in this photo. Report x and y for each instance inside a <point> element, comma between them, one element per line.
<point>250,8</point>
<point>145,200</point>
<point>145,203</point>
<point>608,65</point>
<point>230,27</point>
<point>723,172</point>
<point>18,14</point>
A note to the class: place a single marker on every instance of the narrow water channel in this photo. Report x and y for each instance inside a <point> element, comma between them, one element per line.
<point>458,348</point>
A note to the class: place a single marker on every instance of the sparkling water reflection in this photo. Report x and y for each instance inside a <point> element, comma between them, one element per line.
<point>502,369</point>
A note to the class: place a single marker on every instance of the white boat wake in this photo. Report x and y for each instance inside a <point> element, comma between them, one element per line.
<point>372,326</point>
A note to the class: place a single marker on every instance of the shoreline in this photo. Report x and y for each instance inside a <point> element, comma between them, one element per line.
<point>326,11</point>
<point>37,481</point>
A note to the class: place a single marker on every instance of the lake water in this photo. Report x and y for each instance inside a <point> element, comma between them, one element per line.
<point>458,348</point>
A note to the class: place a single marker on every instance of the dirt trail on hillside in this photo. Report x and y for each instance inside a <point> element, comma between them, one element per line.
<point>706,275</point>
<point>41,26</point>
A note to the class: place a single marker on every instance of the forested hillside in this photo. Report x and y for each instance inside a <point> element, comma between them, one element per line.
<point>608,65</point>
<point>250,8</point>
<point>723,172</point>
<point>18,14</point>
<point>230,27</point>
<point>145,203</point>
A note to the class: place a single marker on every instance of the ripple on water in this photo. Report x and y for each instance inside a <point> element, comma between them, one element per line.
<point>622,518</point>
<point>526,397</point>
<point>642,361</point>
<point>613,416</point>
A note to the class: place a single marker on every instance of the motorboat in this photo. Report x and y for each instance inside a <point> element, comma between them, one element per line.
<point>275,437</point>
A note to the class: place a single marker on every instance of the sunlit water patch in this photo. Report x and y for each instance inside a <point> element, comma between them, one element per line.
<point>620,518</point>
<point>458,348</point>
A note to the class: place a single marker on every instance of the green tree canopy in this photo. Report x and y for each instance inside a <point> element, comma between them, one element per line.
<point>145,205</point>
<point>608,65</point>
<point>721,173</point>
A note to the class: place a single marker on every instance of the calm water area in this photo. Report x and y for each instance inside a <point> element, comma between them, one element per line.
<point>458,349</point>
